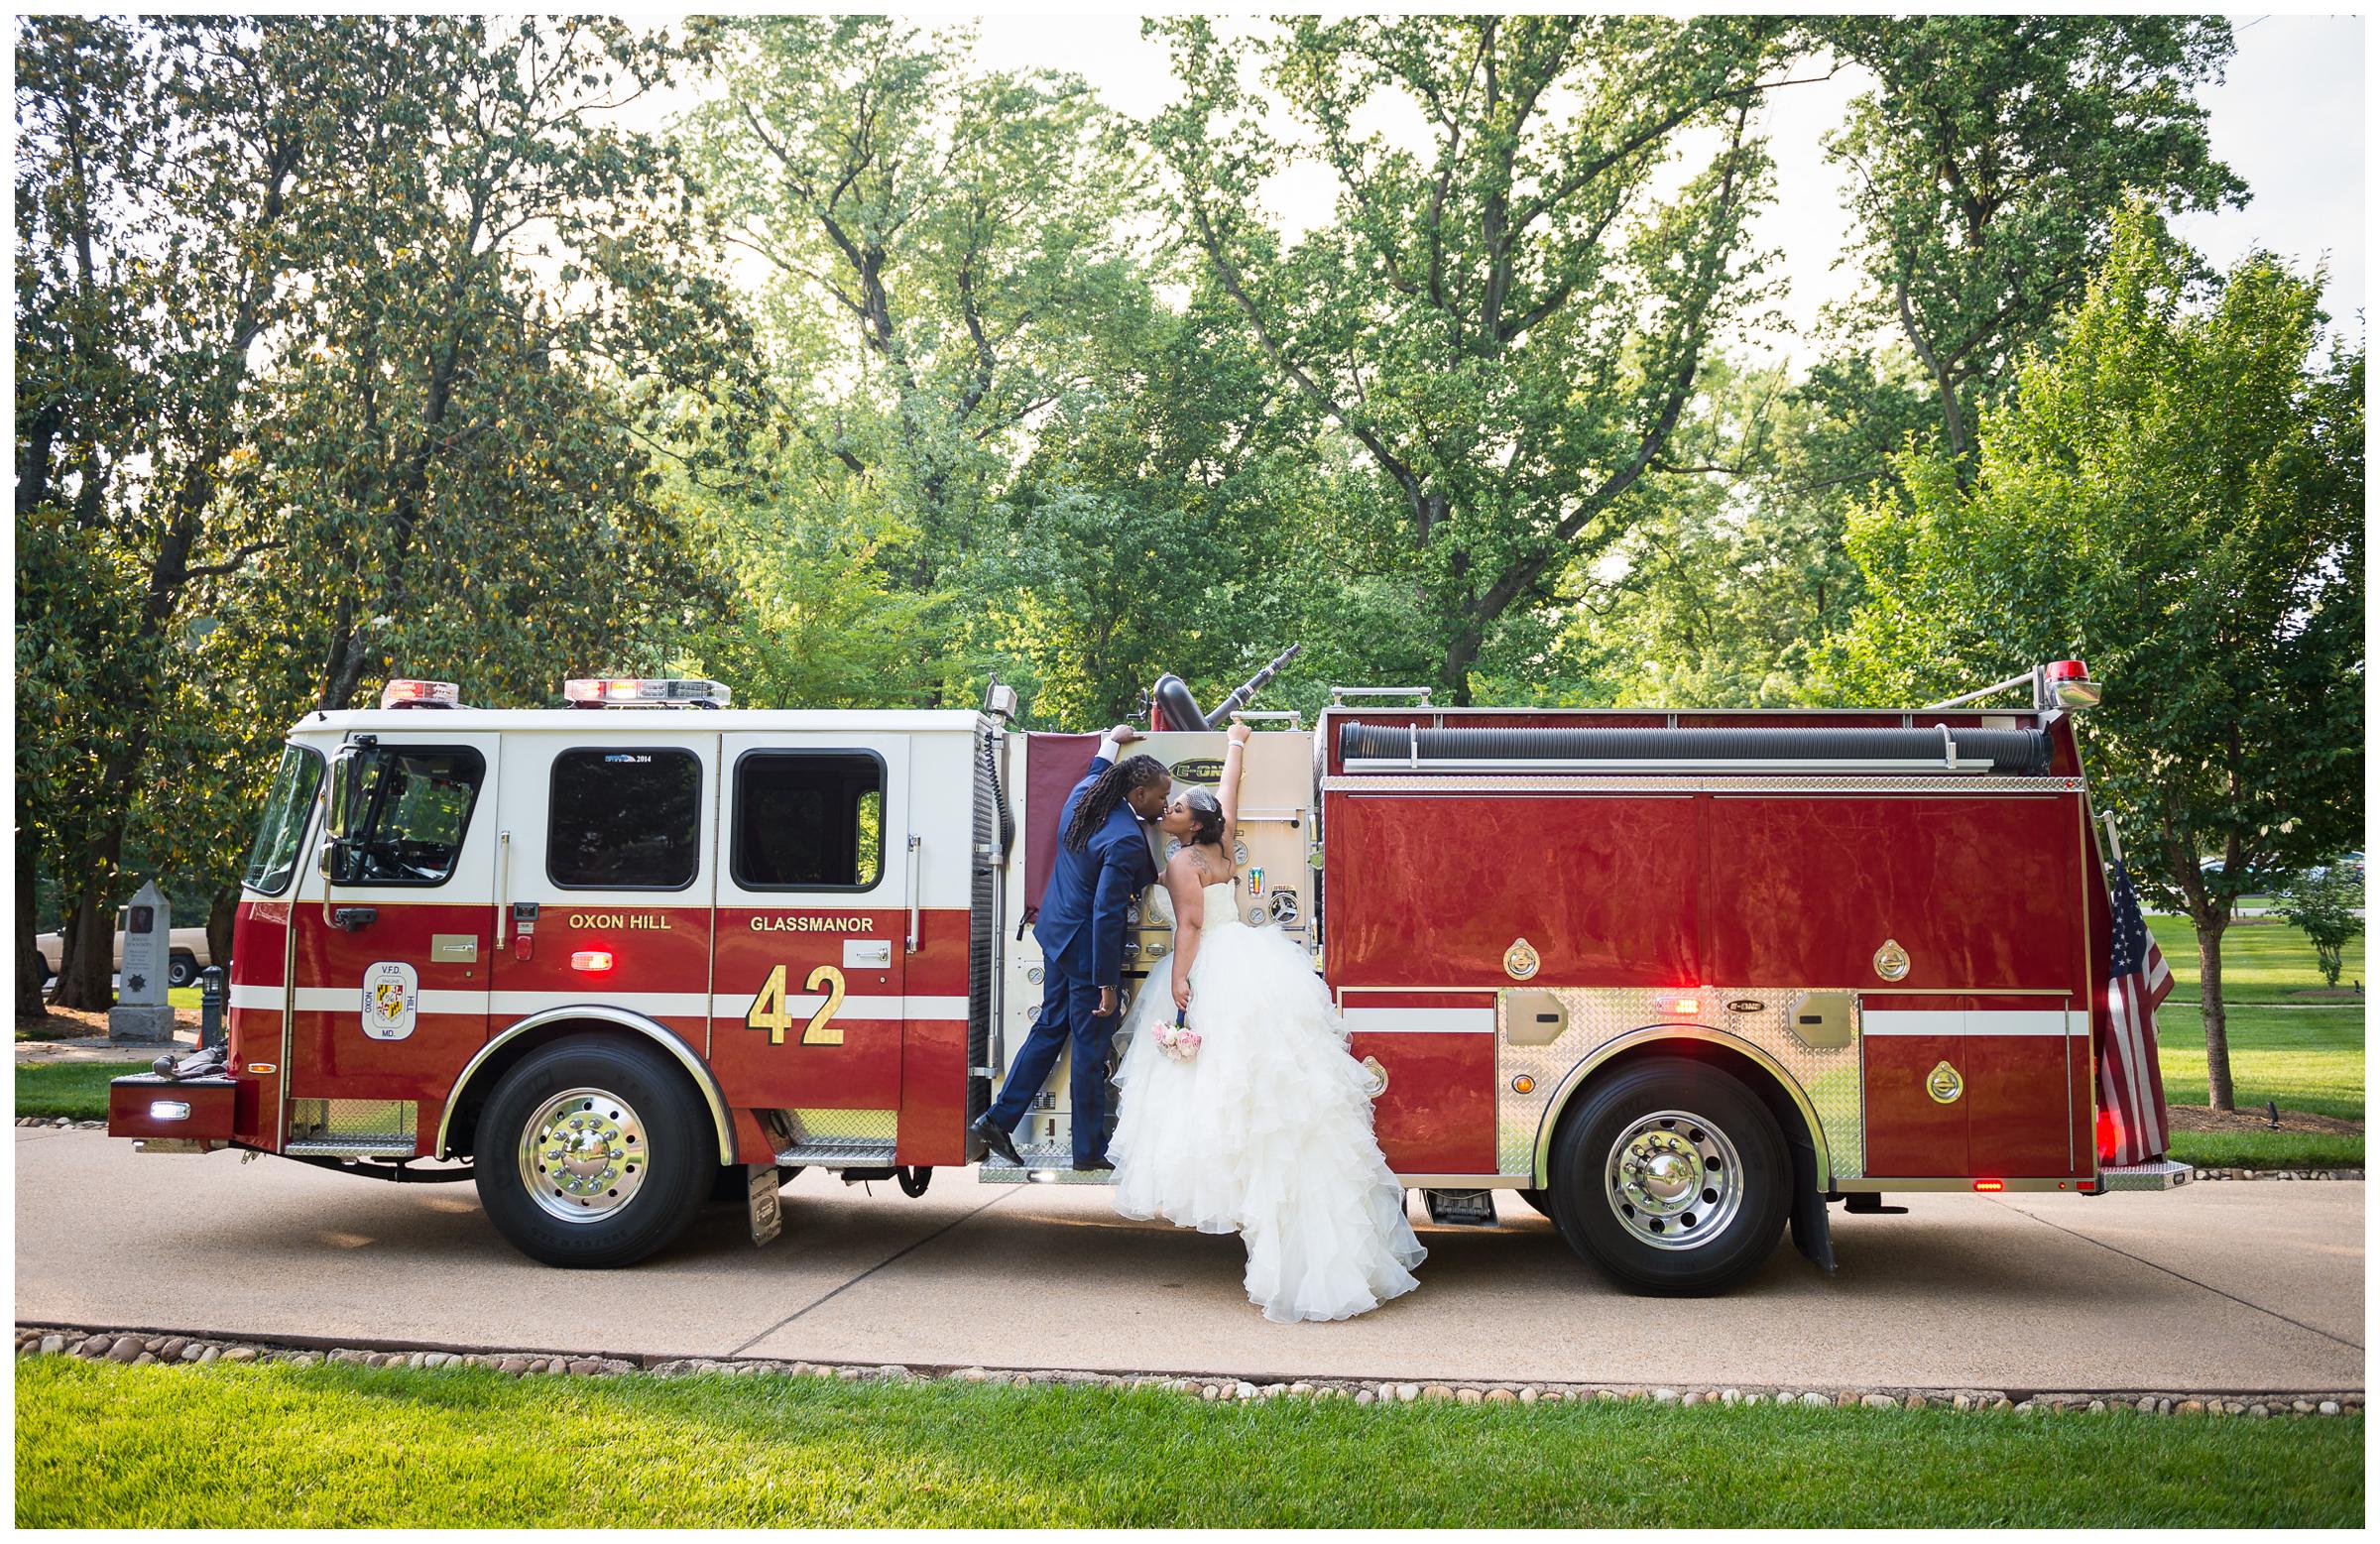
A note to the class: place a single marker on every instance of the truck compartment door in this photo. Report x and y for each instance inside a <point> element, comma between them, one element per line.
<point>816,881</point>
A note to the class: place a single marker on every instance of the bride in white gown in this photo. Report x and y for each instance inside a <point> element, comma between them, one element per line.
<point>1266,1131</point>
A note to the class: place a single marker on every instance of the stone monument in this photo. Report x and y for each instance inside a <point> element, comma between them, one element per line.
<point>141,1015</point>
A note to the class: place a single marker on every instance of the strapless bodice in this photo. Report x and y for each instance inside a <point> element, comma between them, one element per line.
<point>1223,902</point>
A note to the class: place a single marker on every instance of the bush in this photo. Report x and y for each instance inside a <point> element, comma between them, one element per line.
<point>2321,906</point>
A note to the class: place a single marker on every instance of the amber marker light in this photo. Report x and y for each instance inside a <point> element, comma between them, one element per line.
<point>1523,1084</point>
<point>591,960</point>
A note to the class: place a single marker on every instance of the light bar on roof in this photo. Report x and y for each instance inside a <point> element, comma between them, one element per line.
<point>603,691</point>
<point>421,694</point>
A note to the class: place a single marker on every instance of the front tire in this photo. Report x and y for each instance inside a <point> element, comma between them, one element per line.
<point>593,1154</point>
<point>1672,1176</point>
<point>180,970</point>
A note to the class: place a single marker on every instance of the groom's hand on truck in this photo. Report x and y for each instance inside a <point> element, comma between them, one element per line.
<point>1123,734</point>
<point>1107,1003</point>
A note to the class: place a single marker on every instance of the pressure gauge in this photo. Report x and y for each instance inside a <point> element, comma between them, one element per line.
<point>1032,973</point>
<point>1239,853</point>
<point>1256,917</point>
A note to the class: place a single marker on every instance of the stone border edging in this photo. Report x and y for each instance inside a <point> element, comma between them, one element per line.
<point>136,1349</point>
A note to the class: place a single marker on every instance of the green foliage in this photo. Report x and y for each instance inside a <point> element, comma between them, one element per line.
<point>2322,906</point>
<point>1988,159</point>
<point>392,1447</point>
<point>1508,323</point>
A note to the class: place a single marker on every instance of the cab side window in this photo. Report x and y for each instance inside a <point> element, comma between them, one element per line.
<point>417,811</point>
<point>625,819</point>
<point>808,820</point>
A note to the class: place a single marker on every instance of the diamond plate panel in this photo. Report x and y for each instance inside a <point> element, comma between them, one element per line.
<point>812,1126</point>
<point>335,1119</point>
<point>1829,1079</point>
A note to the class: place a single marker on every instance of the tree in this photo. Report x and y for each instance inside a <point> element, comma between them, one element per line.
<point>1986,161</point>
<point>2178,498</point>
<point>943,247</point>
<point>1510,320</point>
<point>407,314</point>
<point>162,200</point>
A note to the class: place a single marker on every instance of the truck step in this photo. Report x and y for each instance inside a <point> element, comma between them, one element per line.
<point>2164,1175</point>
<point>1045,1166</point>
<point>356,1147</point>
<point>838,1152</point>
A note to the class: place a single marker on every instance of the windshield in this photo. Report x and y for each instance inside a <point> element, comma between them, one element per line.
<point>274,858</point>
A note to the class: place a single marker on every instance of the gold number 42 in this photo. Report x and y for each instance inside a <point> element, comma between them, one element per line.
<point>768,1010</point>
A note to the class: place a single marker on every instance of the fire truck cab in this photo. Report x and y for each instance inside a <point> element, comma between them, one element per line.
<point>1673,978</point>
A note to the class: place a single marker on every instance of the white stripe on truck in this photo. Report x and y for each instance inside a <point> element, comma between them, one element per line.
<point>1974,1021</point>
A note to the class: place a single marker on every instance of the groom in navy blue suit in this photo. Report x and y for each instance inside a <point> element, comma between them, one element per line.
<point>1104,861</point>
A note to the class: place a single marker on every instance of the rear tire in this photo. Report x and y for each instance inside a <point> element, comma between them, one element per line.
<point>1672,1176</point>
<point>1537,1200</point>
<point>180,970</point>
<point>593,1154</point>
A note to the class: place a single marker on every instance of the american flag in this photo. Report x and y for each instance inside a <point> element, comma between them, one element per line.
<point>2132,1089</point>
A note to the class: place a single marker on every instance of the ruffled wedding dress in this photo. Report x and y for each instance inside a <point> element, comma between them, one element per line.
<point>1267,1132</point>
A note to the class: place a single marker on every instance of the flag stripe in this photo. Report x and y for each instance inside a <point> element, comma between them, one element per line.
<point>2131,1084</point>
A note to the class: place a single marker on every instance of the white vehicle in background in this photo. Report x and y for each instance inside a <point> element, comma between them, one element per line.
<point>186,954</point>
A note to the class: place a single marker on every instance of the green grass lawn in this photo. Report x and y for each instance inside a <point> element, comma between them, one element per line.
<point>2265,962</point>
<point>2302,1055</point>
<point>75,1089</point>
<point>102,1446</point>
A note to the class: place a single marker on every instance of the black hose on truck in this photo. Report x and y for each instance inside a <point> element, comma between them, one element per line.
<point>1401,747</point>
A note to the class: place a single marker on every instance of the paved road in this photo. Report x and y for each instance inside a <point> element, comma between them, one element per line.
<point>2217,1286</point>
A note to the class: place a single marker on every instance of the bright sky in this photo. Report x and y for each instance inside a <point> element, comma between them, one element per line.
<point>2289,117</point>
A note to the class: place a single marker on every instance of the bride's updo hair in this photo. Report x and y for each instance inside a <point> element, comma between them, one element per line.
<point>1206,816</point>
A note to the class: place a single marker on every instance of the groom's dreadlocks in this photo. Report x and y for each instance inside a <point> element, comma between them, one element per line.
<point>1134,771</point>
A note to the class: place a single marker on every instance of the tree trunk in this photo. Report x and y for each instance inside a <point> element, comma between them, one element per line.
<point>219,918</point>
<point>2209,925</point>
<point>88,958</point>
<point>30,1002</point>
<point>1454,670</point>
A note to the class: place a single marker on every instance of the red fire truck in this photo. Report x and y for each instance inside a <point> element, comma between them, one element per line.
<point>1674,978</point>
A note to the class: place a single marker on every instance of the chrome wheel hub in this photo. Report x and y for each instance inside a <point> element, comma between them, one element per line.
<point>583,1154</point>
<point>1673,1180</point>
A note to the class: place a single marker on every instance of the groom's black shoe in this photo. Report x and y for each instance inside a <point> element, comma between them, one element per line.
<point>1091,1166</point>
<point>996,1139</point>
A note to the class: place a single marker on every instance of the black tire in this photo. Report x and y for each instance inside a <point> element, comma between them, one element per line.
<point>645,1104</point>
<point>1692,1124</point>
<point>1537,1200</point>
<point>181,970</point>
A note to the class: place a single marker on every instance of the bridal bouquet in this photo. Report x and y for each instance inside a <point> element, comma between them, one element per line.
<point>1177,1039</point>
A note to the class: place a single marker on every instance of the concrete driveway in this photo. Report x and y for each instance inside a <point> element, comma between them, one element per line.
<point>2218,1286</point>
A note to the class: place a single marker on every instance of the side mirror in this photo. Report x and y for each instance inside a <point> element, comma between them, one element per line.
<point>347,809</point>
